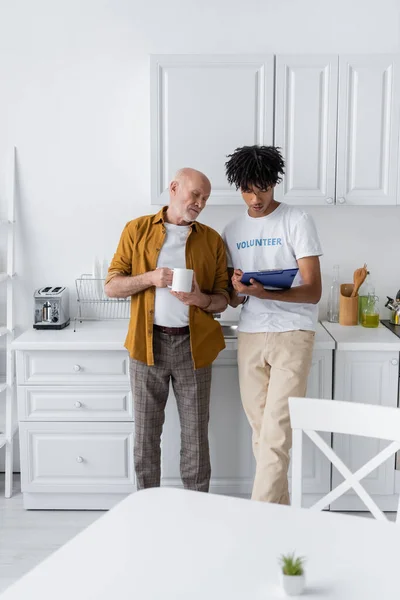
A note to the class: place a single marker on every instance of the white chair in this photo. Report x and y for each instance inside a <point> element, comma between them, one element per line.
<point>310,415</point>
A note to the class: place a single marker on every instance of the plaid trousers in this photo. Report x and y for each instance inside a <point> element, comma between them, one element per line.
<point>150,388</point>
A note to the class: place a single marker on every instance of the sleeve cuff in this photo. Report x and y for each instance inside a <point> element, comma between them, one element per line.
<point>222,292</point>
<point>113,274</point>
<point>309,254</point>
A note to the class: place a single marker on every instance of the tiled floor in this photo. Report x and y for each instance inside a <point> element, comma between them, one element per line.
<point>28,536</point>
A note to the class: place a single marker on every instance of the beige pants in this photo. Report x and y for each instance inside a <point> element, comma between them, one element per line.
<point>272,367</point>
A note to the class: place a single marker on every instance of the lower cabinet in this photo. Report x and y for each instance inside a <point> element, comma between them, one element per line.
<point>229,434</point>
<point>371,378</point>
<point>76,429</point>
<point>232,459</point>
<point>316,467</point>
<point>89,460</point>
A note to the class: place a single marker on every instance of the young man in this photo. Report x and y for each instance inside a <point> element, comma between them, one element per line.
<point>276,328</point>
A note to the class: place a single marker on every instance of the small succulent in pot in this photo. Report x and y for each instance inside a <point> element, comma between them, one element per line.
<point>292,574</point>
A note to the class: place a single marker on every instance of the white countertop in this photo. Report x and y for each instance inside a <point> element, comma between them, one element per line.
<point>89,335</point>
<point>363,338</point>
<point>110,335</point>
<point>323,341</point>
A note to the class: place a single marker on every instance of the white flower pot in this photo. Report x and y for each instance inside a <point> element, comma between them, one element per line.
<point>293,585</point>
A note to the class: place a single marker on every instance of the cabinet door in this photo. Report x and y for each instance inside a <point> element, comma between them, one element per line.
<point>74,403</point>
<point>77,367</point>
<point>305,127</point>
<point>371,378</point>
<point>232,460</point>
<point>203,108</point>
<point>368,130</point>
<point>316,467</point>
<point>231,452</point>
<point>77,457</point>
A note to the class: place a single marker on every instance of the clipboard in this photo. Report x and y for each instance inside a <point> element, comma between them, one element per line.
<point>276,279</point>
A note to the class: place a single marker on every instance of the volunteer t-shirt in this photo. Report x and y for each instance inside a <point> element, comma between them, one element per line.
<point>276,241</point>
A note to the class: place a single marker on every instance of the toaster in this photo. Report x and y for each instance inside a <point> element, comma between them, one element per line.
<point>51,308</point>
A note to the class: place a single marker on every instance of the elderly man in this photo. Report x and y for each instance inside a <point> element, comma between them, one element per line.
<point>172,335</point>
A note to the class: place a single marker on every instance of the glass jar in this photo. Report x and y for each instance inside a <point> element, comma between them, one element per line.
<point>365,290</point>
<point>370,313</point>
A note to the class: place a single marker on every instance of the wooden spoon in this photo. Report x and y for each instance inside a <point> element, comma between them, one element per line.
<point>359,278</point>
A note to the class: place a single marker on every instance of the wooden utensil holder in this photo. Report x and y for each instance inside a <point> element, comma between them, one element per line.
<point>348,307</point>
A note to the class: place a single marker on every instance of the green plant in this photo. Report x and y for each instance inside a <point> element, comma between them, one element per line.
<point>292,565</point>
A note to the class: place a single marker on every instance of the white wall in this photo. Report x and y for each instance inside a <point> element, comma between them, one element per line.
<point>74,99</point>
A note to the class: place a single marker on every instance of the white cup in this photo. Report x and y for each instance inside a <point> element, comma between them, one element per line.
<point>182,280</point>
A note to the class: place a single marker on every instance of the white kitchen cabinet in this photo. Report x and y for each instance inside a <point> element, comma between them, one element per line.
<point>357,103</point>
<point>77,403</point>
<point>368,130</point>
<point>370,377</point>
<point>77,457</point>
<point>232,458</point>
<point>336,120</point>
<point>202,108</point>
<point>77,367</point>
<point>232,461</point>
<point>316,467</point>
<point>76,418</point>
<point>305,127</point>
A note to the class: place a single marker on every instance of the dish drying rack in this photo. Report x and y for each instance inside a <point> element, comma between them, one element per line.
<point>94,305</point>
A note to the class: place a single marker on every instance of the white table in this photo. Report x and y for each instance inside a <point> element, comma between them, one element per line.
<point>166,544</point>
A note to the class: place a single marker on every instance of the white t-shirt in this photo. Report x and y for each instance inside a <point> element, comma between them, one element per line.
<point>168,310</point>
<point>276,241</point>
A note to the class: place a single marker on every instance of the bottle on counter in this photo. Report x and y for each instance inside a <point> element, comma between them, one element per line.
<point>367,289</point>
<point>333,300</point>
<point>370,314</point>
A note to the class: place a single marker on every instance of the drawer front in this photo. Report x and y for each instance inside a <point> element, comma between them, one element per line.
<point>51,403</point>
<point>72,367</point>
<point>73,457</point>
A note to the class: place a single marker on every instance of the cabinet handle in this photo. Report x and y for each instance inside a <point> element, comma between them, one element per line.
<point>394,361</point>
<point>77,367</point>
<point>342,200</point>
<point>79,459</point>
<point>78,404</point>
<point>329,200</point>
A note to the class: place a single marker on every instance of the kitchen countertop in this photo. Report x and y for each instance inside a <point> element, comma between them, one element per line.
<point>89,335</point>
<point>361,338</point>
<point>110,335</point>
<point>323,341</point>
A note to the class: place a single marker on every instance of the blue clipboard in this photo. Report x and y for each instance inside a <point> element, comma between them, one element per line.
<point>279,278</point>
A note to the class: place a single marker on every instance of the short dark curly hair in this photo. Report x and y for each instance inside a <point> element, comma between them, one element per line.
<point>258,166</point>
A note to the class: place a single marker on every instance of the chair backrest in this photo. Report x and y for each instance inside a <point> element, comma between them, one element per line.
<point>309,415</point>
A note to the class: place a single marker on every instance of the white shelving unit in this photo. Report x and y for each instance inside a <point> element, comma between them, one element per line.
<point>8,417</point>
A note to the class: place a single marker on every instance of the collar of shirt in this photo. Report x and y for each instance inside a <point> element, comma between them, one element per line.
<point>160,218</point>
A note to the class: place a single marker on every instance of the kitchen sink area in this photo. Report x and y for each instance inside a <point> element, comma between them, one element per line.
<point>229,330</point>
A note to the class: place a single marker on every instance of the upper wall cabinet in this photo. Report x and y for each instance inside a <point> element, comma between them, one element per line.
<point>338,129</point>
<point>202,108</point>
<point>336,120</point>
<point>368,130</point>
<point>305,127</point>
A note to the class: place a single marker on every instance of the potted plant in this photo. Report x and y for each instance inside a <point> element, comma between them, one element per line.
<point>292,574</point>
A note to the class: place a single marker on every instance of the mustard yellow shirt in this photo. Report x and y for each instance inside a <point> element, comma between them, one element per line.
<point>137,253</point>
